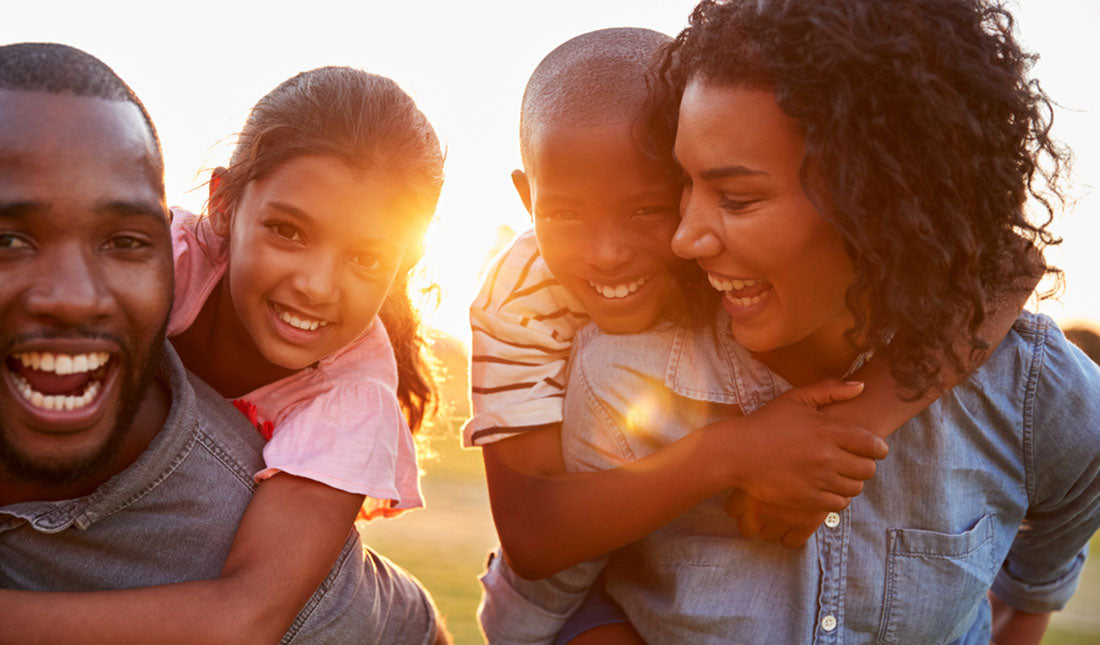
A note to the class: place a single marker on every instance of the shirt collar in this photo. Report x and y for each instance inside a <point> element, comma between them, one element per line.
<point>707,364</point>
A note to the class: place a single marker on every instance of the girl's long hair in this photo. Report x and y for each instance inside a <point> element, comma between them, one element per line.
<point>370,123</point>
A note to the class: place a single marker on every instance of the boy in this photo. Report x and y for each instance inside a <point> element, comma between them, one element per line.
<point>604,216</point>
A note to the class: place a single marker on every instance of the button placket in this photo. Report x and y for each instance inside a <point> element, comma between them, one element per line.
<point>833,555</point>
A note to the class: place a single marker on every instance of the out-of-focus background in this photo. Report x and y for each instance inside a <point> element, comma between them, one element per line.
<point>200,64</point>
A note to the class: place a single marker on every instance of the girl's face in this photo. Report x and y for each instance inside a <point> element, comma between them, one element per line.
<point>781,267</point>
<point>313,249</point>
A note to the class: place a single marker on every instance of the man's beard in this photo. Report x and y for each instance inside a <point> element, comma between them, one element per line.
<point>137,373</point>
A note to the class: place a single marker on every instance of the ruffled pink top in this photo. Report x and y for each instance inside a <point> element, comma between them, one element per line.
<point>338,422</point>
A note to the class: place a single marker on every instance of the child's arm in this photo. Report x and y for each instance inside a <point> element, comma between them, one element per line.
<point>548,519</point>
<point>289,537</point>
<point>881,410</point>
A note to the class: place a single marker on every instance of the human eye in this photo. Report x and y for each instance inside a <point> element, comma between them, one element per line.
<point>736,204</point>
<point>284,230</point>
<point>367,261</point>
<point>655,211</point>
<point>125,242</point>
<point>558,215</point>
<point>11,241</point>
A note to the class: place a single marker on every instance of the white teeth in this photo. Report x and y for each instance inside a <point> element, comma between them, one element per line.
<point>63,363</point>
<point>300,323</point>
<point>722,284</point>
<point>56,401</point>
<point>744,302</point>
<point>618,291</point>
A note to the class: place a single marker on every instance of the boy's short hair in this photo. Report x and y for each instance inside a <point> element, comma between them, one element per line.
<point>596,78</point>
<point>60,69</point>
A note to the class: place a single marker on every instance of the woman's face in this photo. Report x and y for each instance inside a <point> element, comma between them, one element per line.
<point>780,266</point>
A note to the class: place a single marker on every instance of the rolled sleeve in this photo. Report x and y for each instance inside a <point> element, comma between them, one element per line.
<point>518,611</point>
<point>1062,455</point>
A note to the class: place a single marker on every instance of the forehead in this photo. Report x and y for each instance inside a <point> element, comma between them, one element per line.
<point>719,122</point>
<point>608,155</point>
<point>63,148</point>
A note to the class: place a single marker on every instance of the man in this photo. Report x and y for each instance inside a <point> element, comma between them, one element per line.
<point>117,469</point>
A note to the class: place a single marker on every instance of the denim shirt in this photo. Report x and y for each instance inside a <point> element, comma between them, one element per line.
<point>172,515</point>
<point>997,484</point>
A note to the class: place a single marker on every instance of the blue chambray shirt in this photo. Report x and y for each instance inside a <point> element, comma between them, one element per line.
<point>997,485</point>
<point>172,516</point>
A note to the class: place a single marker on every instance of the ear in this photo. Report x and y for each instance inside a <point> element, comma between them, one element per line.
<point>216,209</point>
<point>519,180</point>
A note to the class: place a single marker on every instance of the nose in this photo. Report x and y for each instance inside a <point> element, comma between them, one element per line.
<point>607,247</point>
<point>317,279</point>
<point>70,287</point>
<point>696,236</point>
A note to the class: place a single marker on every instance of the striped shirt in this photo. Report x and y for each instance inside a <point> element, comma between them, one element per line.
<point>523,323</point>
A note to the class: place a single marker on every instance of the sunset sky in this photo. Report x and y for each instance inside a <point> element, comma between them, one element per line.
<point>200,65</point>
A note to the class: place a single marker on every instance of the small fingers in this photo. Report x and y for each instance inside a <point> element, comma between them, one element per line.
<point>795,538</point>
<point>861,442</point>
<point>748,525</point>
<point>773,532</point>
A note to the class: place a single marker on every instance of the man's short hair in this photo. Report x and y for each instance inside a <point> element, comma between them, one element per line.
<point>61,69</point>
<point>597,78</point>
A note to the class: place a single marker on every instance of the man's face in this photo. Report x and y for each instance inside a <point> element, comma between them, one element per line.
<point>85,279</point>
<point>604,218</point>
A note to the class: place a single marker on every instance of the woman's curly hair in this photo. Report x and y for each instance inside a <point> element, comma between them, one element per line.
<point>927,137</point>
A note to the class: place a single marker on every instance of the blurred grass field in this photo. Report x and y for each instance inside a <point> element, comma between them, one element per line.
<point>445,544</point>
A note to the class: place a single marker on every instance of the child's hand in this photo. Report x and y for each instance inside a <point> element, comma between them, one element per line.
<point>788,453</point>
<point>791,527</point>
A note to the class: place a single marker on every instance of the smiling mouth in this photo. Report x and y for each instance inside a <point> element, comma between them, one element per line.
<point>618,291</point>
<point>298,322</point>
<point>741,291</point>
<point>58,380</point>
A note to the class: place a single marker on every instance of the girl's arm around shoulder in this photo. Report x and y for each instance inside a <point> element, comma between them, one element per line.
<point>289,537</point>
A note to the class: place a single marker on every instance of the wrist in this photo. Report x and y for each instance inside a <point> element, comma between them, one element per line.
<point>720,458</point>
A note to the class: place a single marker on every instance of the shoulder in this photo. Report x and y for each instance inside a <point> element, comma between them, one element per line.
<point>518,282</point>
<point>225,432</point>
<point>603,359</point>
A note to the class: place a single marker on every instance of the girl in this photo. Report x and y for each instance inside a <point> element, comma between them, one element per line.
<point>857,175</point>
<point>291,300</point>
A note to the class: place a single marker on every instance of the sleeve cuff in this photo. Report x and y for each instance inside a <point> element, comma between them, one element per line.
<point>1043,597</point>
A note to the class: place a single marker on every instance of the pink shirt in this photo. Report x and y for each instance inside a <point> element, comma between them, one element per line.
<point>337,422</point>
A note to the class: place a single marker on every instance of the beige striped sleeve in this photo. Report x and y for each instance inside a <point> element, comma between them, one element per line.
<point>522,325</point>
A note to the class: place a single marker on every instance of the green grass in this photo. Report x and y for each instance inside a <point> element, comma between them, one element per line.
<point>445,544</point>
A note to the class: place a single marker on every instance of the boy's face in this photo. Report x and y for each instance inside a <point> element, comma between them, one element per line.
<point>604,218</point>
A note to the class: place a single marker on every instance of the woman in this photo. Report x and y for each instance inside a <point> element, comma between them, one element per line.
<point>856,179</point>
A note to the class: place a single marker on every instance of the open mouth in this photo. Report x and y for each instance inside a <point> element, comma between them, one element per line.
<point>298,321</point>
<point>740,291</point>
<point>619,291</point>
<point>57,380</point>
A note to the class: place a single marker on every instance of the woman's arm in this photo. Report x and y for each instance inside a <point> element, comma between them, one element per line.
<point>289,537</point>
<point>548,519</point>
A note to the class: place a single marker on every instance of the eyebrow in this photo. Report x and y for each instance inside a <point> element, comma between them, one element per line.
<point>131,208</point>
<point>731,171</point>
<point>25,209</point>
<point>288,209</point>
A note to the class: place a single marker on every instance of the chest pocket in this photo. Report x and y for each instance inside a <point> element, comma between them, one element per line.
<point>936,582</point>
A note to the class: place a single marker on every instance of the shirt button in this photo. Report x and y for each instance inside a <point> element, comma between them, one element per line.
<point>828,623</point>
<point>832,520</point>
